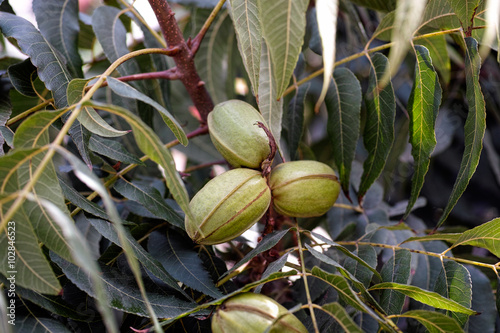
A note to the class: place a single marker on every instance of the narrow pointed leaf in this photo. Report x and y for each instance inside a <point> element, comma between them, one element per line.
<point>125,90</point>
<point>295,120</point>
<point>152,146</point>
<point>112,149</point>
<point>396,269</point>
<point>121,295</point>
<point>326,15</point>
<point>465,10</point>
<point>345,321</point>
<point>454,282</point>
<point>267,242</point>
<point>437,47</point>
<point>182,262</point>
<point>423,107</point>
<point>434,322</point>
<point>273,267</point>
<point>451,238</point>
<point>378,134</point>
<point>245,16</point>
<point>475,126</point>
<point>283,27</point>
<point>145,258</point>
<point>269,106</point>
<point>51,68</point>
<point>427,297</point>
<point>486,235</point>
<point>151,199</point>
<point>58,22</point>
<point>343,103</point>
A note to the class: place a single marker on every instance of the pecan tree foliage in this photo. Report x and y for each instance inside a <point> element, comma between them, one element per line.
<point>379,90</point>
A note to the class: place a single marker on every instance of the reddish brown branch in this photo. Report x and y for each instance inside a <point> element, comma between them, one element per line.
<point>183,59</point>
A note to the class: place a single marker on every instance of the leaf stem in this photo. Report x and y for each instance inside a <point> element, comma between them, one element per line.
<point>195,43</point>
<point>28,112</point>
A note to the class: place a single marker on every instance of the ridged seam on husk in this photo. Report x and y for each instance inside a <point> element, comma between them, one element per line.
<point>216,207</point>
<point>241,210</point>
<point>218,141</point>
<point>279,320</point>
<point>314,176</point>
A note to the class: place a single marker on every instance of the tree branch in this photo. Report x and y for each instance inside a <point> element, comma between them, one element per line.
<point>183,59</point>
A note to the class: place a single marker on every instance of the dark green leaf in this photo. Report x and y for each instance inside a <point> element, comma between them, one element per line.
<point>283,25</point>
<point>378,134</point>
<point>396,269</point>
<point>475,126</point>
<point>295,119</point>
<point>273,267</point>
<point>151,199</point>
<point>382,5</point>
<point>40,325</point>
<point>122,293</point>
<point>51,68</point>
<point>125,90</point>
<point>361,272</point>
<point>423,107</point>
<point>22,75</point>
<point>58,22</point>
<point>181,261</point>
<point>342,317</point>
<point>108,231</point>
<point>439,54</point>
<point>81,137</point>
<point>483,301</point>
<point>454,282</point>
<point>434,322</point>
<point>343,103</point>
<point>245,16</point>
<point>112,149</point>
<point>267,243</point>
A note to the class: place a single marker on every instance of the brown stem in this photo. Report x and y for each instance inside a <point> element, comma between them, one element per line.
<point>266,164</point>
<point>183,59</point>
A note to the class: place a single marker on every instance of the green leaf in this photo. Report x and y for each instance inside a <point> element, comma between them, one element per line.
<point>295,120</point>
<point>267,242</point>
<point>245,16</point>
<point>454,282</point>
<point>343,103</point>
<point>22,76</point>
<point>124,90</point>
<point>439,54</point>
<point>427,297</point>
<point>475,126</point>
<point>382,5</point>
<point>151,199</point>
<point>483,301</point>
<point>122,293</point>
<point>465,11</point>
<point>181,261</point>
<point>451,238</point>
<point>487,236</point>
<point>378,134</point>
<point>283,27</point>
<point>80,201</point>
<point>58,22</point>
<point>326,15</point>
<point>112,149</point>
<point>269,106</point>
<point>51,67</point>
<point>361,272</point>
<point>81,137</point>
<point>151,145</point>
<point>88,117</point>
<point>345,321</point>
<point>40,325</point>
<point>434,322</point>
<point>107,230</point>
<point>423,107</point>
<point>273,267</point>
<point>396,269</point>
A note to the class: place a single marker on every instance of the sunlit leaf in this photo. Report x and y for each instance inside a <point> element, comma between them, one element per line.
<point>345,321</point>
<point>51,67</point>
<point>125,90</point>
<point>487,236</point>
<point>378,134</point>
<point>58,22</point>
<point>423,107</point>
<point>465,10</point>
<point>396,269</point>
<point>451,238</point>
<point>439,54</point>
<point>181,261</point>
<point>151,145</point>
<point>343,103</point>
<point>326,14</point>
<point>269,106</point>
<point>475,126</point>
<point>434,322</point>
<point>283,26</point>
<point>454,282</point>
<point>245,16</point>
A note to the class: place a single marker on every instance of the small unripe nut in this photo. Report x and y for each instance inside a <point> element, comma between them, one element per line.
<point>254,313</point>
<point>234,132</point>
<point>227,206</point>
<point>303,188</point>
